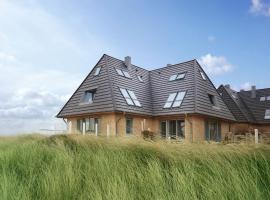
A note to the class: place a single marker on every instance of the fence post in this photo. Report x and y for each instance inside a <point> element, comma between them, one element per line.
<point>256,136</point>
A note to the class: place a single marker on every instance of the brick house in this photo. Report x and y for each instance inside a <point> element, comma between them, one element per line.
<point>178,101</point>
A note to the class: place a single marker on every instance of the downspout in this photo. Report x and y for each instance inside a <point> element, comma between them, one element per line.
<point>191,127</point>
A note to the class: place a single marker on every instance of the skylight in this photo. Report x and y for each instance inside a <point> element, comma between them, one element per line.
<point>179,98</point>
<point>203,75</point>
<point>262,98</point>
<point>123,73</point>
<point>175,100</point>
<point>97,71</point>
<point>130,97</point>
<point>140,78</point>
<point>267,114</point>
<point>177,76</point>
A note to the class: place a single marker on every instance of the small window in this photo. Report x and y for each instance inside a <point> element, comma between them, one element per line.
<point>170,100</point>
<point>88,97</point>
<point>97,71</point>
<point>203,75</point>
<point>119,72</point>
<point>140,78</point>
<point>126,74</point>
<point>178,100</point>
<point>129,126</point>
<point>212,99</point>
<point>262,98</point>
<point>177,76</point>
<point>268,98</point>
<point>267,114</point>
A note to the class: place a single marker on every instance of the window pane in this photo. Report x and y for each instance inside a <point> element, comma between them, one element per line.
<point>92,124</point>
<point>126,74</point>
<point>203,76</point>
<point>168,105</point>
<point>129,126</point>
<point>171,97</point>
<point>129,101</point>
<point>181,76</point>
<point>177,103</point>
<point>180,96</point>
<point>88,97</point>
<point>119,72</point>
<point>132,95</point>
<point>163,129</point>
<point>137,103</point>
<point>124,93</point>
<point>97,71</point>
<point>173,77</point>
<point>262,98</point>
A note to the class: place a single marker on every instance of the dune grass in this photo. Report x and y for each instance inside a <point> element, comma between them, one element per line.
<point>77,167</point>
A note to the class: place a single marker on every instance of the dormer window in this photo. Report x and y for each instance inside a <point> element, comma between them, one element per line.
<point>140,78</point>
<point>123,73</point>
<point>175,100</point>
<point>203,75</point>
<point>177,76</point>
<point>212,99</point>
<point>97,71</point>
<point>267,114</point>
<point>130,97</point>
<point>88,96</point>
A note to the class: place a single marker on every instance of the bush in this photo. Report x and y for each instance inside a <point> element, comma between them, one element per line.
<point>148,135</point>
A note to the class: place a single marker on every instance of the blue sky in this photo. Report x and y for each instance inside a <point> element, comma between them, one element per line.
<point>48,47</point>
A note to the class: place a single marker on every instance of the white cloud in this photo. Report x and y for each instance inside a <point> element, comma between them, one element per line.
<point>215,65</point>
<point>260,7</point>
<point>245,86</point>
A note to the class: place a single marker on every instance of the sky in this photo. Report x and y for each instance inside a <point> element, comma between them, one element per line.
<point>47,47</point>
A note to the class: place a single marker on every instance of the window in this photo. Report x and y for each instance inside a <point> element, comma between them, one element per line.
<point>170,100</point>
<point>177,76</point>
<point>175,129</point>
<point>130,97</point>
<point>234,96</point>
<point>140,78</point>
<point>262,98</point>
<point>123,73</point>
<point>267,114</point>
<point>91,124</point>
<point>212,99</point>
<point>88,97</point>
<point>97,71</point>
<point>203,75</point>
<point>268,98</point>
<point>129,126</point>
<point>179,98</point>
<point>175,100</point>
<point>119,72</point>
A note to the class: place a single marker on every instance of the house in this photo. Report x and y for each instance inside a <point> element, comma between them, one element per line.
<point>251,109</point>
<point>118,98</point>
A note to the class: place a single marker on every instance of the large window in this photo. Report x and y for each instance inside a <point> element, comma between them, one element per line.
<point>91,125</point>
<point>130,97</point>
<point>175,100</point>
<point>129,126</point>
<point>177,76</point>
<point>172,128</point>
<point>212,131</point>
<point>88,96</point>
<point>267,114</point>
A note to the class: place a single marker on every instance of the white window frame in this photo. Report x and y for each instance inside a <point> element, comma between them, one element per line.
<point>267,114</point>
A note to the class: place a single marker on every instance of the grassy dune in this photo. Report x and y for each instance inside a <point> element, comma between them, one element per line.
<point>77,167</point>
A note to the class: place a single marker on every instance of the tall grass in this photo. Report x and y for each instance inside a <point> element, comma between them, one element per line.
<point>77,167</point>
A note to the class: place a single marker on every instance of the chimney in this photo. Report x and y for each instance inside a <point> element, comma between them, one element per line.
<point>128,61</point>
<point>253,91</point>
<point>169,65</point>
<point>228,86</point>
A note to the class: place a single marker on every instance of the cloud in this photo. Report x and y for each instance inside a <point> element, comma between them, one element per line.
<point>215,65</point>
<point>260,7</point>
<point>245,86</point>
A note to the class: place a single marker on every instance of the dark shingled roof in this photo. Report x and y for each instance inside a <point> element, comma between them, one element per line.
<point>244,107</point>
<point>152,92</point>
